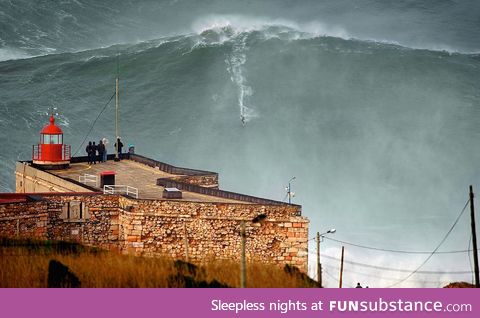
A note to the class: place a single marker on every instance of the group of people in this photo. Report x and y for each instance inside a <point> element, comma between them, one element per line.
<point>92,149</point>
<point>99,152</point>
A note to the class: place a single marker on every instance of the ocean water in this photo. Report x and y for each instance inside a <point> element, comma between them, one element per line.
<point>372,105</point>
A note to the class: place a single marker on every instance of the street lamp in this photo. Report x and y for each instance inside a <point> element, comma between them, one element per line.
<point>243,261</point>
<point>290,194</point>
<point>319,265</point>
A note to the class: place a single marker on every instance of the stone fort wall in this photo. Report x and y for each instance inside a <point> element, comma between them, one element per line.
<point>162,227</point>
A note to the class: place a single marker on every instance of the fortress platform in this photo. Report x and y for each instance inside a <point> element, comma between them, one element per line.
<point>137,175</point>
<point>146,177</point>
<point>193,220</point>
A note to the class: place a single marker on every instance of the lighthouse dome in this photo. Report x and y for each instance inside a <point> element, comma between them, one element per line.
<point>51,129</point>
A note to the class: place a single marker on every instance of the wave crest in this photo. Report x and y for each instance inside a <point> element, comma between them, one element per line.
<point>232,25</point>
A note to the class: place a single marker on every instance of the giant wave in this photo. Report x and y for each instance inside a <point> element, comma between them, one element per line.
<point>372,130</point>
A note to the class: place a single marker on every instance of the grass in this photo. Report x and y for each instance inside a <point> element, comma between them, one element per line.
<point>25,263</point>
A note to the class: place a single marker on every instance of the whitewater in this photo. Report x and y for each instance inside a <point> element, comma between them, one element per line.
<point>379,127</point>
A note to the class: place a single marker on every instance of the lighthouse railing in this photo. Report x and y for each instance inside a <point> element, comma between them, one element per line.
<point>36,152</point>
<point>66,152</point>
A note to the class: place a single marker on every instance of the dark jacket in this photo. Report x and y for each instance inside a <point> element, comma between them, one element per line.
<point>120,145</point>
<point>101,148</point>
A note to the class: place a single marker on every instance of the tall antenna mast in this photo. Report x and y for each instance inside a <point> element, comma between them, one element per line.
<point>290,194</point>
<point>116,114</point>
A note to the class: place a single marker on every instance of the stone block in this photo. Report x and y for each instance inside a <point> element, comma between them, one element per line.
<point>132,238</point>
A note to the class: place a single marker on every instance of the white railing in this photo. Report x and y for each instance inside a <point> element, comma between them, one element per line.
<point>121,189</point>
<point>88,178</point>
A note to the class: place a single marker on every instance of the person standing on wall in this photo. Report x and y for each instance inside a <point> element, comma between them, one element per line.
<point>94,153</point>
<point>105,143</point>
<point>101,151</point>
<point>120,146</point>
<point>88,149</point>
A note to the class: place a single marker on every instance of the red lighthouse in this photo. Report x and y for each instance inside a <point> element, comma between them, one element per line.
<point>51,153</point>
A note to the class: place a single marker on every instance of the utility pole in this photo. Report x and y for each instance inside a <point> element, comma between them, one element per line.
<point>319,265</point>
<point>243,240</point>
<point>185,240</point>
<point>243,263</point>
<point>116,115</point>
<point>341,269</point>
<point>474,240</point>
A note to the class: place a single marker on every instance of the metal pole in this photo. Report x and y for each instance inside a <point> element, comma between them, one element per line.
<point>341,269</point>
<point>289,193</point>
<point>116,116</point>
<point>185,240</point>
<point>319,265</point>
<point>474,239</point>
<point>243,261</point>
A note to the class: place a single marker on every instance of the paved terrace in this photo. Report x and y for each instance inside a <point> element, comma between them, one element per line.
<point>135,174</point>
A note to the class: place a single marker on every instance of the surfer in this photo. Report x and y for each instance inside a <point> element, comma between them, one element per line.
<point>243,119</point>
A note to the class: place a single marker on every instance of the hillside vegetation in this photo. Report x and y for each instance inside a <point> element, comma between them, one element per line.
<point>26,263</point>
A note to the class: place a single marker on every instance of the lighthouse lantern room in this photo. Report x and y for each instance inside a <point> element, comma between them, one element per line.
<point>51,153</point>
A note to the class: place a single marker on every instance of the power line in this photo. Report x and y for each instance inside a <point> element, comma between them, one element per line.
<point>392,250</point>
<point>331,276</point>
<point>470,258</point>
<point>394,269</point>
<point>382,277</point>
<point>435,250</point>
<point>93,124</point>
<point>303,242</point>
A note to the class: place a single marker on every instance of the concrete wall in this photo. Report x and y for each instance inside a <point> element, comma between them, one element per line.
<point>31,180</point>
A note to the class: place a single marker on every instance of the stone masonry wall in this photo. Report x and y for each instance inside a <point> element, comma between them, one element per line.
<point>163,227</point>
<point>209,230</point>
<point>99,228</point>
<point>27,220</point>
<point>46,219</point>
<point>210,181</point>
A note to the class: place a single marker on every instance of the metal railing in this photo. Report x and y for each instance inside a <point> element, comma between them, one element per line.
<point>121,189</point>
<point>37,152</point>
<point>88,178</point>
<point>67,152</point>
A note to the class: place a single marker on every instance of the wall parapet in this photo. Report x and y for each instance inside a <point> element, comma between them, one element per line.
<point>171,183</point>
<point>170,168</point>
